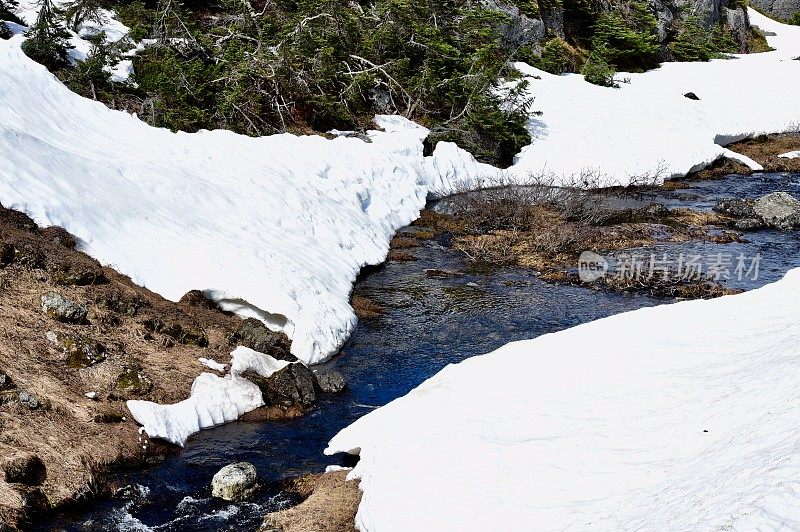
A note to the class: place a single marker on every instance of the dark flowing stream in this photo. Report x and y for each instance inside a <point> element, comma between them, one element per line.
<point>428,323</point>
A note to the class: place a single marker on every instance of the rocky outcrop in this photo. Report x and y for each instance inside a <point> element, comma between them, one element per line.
<point>62,309</point>
<point>779,210</point>
<point>782,9</point>
<point>520,29</point>
<point>254,335</point>
<point>235,482</point>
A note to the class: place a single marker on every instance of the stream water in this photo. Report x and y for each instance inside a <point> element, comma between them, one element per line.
<point>428,323</point>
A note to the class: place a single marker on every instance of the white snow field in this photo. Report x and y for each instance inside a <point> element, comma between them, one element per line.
<point>278,227</point>
<point>678,417</point>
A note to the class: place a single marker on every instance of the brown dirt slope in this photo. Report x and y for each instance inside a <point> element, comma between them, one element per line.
<point>133,344</point>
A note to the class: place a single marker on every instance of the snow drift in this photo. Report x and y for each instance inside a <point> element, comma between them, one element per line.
<point>679,417</point>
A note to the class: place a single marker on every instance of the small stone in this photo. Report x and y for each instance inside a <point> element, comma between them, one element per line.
<point>92,395</point>
<point>692,96</point>
<point>29,400</point>
<point>62,309</point>
<point>235,482</point>
<point>330,381</point>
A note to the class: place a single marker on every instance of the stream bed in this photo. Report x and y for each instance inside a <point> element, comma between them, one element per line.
<point>427,323</point>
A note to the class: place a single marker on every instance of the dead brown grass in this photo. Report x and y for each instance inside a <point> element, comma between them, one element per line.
<point>766,149</point>
<point>403,242</point>
<point>330,506</point>
<point>365,308</point>
<point>77,438</point>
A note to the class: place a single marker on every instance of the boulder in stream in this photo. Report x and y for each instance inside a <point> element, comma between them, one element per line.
<point>235,482</point>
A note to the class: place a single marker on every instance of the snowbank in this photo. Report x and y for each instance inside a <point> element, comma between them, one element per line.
<point>679,417</point>
<point>278,227</point>
<point>791,155</point>
<point>214,400</point>
<point>647,127</point>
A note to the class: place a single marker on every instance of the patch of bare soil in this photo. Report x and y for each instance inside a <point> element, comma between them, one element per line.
<point>55,442</point>
<point>330,505</point>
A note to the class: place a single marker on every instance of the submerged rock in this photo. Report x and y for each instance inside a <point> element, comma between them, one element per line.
<point>738,208</point>
<point>330,381</point>
<point>235,482</point>
<point>779,210</point>
<point>62,309</point>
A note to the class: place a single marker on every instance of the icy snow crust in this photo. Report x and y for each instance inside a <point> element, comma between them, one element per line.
<point>679,417</point>
<point>278,227</point>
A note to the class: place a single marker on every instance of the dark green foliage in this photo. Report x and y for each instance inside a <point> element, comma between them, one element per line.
<point>694,43</point>
<point>628,37</point>
<point>327,64</point>
<point>47,39</point>
<point>90,77</point>
<point>77,12</point>
<point>7,8</point>
<point>596,70</point>
<point>795,19</point>
<point>554,57</point>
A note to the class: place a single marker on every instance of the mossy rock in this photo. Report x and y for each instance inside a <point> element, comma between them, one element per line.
<point>134,381</point>
<point>81,351</point>
<point>187,336</point>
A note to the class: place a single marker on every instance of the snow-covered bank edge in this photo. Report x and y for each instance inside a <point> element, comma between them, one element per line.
<point>681,416</point>
<point>214,400</point>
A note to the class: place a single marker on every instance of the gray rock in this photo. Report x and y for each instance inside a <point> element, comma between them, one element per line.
<point>330,381</point>
<point>255,335</point>
<point>738,208</point>
<point>520,30</point>
<point>739,24</point>
<point>235,482</point>
<point>783,9</point>
<point>29,400</point>
<point>62,309</point>
<point>779,210</point>
<point>293,385</point>
<point>748,224</point>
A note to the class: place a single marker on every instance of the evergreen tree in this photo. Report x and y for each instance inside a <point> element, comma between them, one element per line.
<point>47,39</point>
<point>79,11</point>
<point>7,9</point>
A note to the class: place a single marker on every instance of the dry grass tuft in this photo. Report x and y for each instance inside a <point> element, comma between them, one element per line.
<point>330,506</point>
